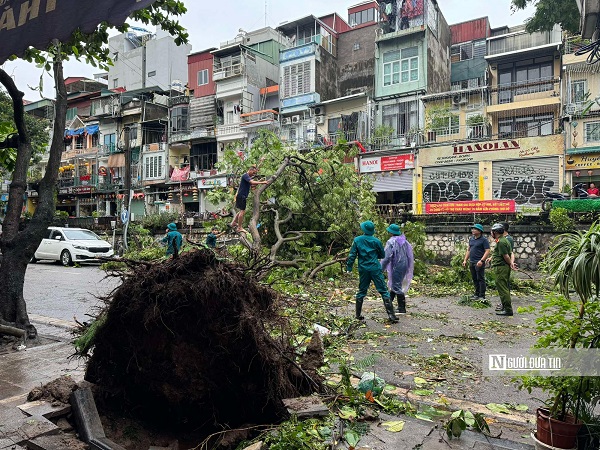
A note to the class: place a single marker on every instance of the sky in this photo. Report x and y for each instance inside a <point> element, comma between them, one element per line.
<point>210,23</point>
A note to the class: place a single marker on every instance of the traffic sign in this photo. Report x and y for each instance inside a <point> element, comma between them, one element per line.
<point>124,216</point>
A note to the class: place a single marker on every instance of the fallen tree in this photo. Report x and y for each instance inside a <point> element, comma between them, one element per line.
<point>308,213</point>
<point>195,342</point>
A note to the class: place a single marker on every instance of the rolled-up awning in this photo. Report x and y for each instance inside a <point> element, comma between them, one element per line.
<point>117,160</point>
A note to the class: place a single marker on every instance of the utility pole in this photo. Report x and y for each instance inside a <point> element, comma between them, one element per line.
<point>126,197</point>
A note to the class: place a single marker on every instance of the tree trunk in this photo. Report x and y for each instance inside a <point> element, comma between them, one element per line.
<point>18,246</point>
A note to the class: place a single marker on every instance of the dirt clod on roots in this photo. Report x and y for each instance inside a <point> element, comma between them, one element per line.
<point>187,342</point>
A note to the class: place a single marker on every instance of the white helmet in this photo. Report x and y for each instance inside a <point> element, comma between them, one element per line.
<point>498,228</point>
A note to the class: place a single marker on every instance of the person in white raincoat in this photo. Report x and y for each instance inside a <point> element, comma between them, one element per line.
<point>399,262</point>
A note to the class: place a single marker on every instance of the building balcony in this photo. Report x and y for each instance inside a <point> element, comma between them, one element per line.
<point>108,149</point>
<point>156,147</point>
<point>380,143</point>
<point>542,93</point>
<point>264,118</point>
<point>228,130</point>
<point>519,40</point>
<point>193,134</point>
<point>233,70</point>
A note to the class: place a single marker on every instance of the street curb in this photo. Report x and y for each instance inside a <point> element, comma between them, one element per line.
<point>44,320</point>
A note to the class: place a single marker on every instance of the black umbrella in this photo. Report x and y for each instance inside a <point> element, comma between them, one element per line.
<point>35,23</point>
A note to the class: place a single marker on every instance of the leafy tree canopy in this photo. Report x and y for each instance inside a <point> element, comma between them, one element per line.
<point>37,127</point>
<point>315,204</point>
<point>549,13</point>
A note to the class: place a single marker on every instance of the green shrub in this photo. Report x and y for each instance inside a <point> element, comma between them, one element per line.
<point>159,221</point>
<point>560,220</point>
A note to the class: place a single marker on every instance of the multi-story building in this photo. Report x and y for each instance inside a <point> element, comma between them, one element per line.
<point>143,59</point>
<point>581,103</point>
<point>515,152</point>
<point>456,116</point>
<point>241,68</point>
<point>347,115</point>
<point>308,74</point>
<point>411,60</point>
<point>78,172</point>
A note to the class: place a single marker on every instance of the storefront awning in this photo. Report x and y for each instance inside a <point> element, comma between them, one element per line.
<point>117,160</point>
<point>581,151</point>
<point>92,129</point>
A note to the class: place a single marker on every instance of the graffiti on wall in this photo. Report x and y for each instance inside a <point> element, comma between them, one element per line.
<point>524,183</point>
<point>450,186</point>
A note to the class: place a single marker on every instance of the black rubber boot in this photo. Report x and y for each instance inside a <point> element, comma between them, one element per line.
<point>359,304</point>
<point>392,295</point>
<point>389,308</point>
<point>401,304</point>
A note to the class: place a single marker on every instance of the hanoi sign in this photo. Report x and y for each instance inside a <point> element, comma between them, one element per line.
<point>385,163</point>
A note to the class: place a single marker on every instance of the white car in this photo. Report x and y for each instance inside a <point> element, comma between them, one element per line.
<point>69,245</point>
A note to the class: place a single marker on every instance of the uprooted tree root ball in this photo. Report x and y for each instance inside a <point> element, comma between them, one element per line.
<point>190,342</point>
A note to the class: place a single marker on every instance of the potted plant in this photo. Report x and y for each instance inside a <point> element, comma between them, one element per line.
<point>477,125</point>
<point>438,120</point>
<point>574,262</point>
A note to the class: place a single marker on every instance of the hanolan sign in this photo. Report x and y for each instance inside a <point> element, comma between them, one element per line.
<point>35,23</point>
<point>492,150</point>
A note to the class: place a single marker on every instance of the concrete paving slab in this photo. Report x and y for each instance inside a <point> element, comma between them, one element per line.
<point>411,436</point>
<point>30,428</point>
<point>45,409</point>
<point>56,442</point>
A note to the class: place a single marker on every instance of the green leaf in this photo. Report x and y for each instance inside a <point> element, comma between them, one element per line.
<point>521,407</point>
<point>420,381</point>
<point>394,426</point>
<point>352,438</point>
<point>423,392</point>
<point>497,408</point>
<point>347,413</point>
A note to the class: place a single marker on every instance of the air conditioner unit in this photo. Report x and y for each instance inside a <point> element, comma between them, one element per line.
<point>319,120</point>
<point>573,108</point>
<point>318,111</point>
<point>286,121</point>
<point>296,119</point>
<point>460,100</point>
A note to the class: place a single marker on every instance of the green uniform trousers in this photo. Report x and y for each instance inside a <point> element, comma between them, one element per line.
<point>502,284</point>
<point>365,277</point>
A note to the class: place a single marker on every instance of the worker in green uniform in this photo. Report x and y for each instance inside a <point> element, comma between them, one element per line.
<point>502,265</point>
<point>369,251</point>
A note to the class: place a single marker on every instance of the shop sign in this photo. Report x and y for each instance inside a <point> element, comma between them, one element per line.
<point>82,189</point>
<point>208,183</point>
<point>589,161</point>
<point>472,207</point>
<point>492,150</point>
<point>385,163</point>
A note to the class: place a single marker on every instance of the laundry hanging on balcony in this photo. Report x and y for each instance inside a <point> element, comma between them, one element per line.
<point>180,174</point>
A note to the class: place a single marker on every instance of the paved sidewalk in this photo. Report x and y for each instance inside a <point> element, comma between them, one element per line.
<point>23,370</point>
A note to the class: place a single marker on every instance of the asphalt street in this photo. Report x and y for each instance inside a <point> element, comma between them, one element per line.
<point>58,292</point>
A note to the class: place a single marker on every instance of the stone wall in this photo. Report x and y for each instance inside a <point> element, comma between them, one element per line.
<point>529,247</point>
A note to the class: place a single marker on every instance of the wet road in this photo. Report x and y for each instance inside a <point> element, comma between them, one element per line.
<point>52,290</point>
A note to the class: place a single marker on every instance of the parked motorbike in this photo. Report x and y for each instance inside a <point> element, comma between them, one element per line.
<point>578,192</point>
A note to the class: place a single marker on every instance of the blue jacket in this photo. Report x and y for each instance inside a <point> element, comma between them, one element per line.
<point>173,237</point>
<point>369,250</point>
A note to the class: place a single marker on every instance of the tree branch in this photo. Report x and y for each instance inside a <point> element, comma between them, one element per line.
<point>256,202</point>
